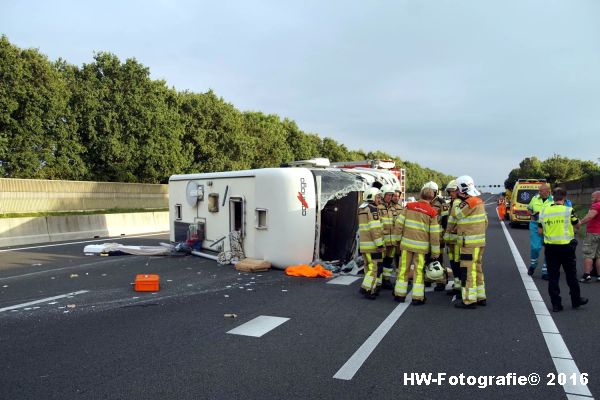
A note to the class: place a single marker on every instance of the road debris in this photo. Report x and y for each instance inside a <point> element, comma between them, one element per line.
<point>74,276</point>
<point>230,315</point>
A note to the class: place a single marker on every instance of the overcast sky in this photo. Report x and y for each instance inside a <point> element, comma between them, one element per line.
<point>464,87</point>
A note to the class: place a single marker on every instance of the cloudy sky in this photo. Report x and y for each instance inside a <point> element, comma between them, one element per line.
<point>464,87</point>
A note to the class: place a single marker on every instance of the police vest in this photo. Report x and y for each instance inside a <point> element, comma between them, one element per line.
<point>556,222</point>
<point>537,204</point>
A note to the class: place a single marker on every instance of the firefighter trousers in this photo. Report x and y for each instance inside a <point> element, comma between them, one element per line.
<point>471,274</point>
<point>372,272</point>
<point>388,259</point>
<point>454,257</point>
<point>401,288</point>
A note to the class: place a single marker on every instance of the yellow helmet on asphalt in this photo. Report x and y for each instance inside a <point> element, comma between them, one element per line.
<point>434,271</point>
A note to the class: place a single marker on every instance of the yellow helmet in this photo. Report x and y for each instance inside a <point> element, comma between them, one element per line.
<point>451,185</point>
<point>371,193</point>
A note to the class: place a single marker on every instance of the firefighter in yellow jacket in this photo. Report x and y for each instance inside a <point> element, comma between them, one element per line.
<point>442,208</point>
<point>450,238</point>
<point>471,224</point>
<point>396,233</point>
<point>387,211</point>
<point>420,236</point>
<point>371,244</point>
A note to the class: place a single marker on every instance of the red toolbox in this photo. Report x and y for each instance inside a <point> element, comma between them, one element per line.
<point>147,283</point>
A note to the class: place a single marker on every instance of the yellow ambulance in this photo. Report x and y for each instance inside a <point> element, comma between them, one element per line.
<point>522,193</point>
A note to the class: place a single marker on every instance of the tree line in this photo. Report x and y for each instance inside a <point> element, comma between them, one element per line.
<point>555,170</point>
<point>109,121</point>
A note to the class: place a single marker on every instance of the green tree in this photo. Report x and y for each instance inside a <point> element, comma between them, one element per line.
<point>38,136</point>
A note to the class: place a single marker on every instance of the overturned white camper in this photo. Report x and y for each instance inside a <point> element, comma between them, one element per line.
<point>283,215</point>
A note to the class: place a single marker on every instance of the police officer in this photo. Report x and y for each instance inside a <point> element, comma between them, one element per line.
<point>420,236</point>
<point>539,201</point>
<point>387,211</point>
<point>450,238</point>
<point>442,209</point>
<point>556,223</point>
<point>371,243</point>
<point>471,224</point>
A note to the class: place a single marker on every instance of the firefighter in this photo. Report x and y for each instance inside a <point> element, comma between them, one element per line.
<point>556,223</point>
<point>442,208</point>
<point>371,243</point>
<point>450,238</point>
<point>420,236</point>
<point>387,209</point>
<point>396,234</point>
<point>471,224</point>
<point>537,203</point>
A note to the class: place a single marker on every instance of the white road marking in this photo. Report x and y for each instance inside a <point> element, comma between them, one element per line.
<point>111,260</point>
<point>85,241</point>
<point>563,361</point>
<point>258,326</point>
<point>62,296</point>
<point>353,364</point>
<point>343,280</point>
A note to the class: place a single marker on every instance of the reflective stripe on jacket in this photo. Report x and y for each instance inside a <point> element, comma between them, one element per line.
<point>370,228</point>
<point>419,228</point>
<point>471,223</point>
<point>556,221</point>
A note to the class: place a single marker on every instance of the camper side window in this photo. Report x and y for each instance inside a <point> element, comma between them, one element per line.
<point>261,218</point>
<point>213,202</point>
<point>177,211</point>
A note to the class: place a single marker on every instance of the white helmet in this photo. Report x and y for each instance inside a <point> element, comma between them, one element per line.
<point>451,185</point>
<point>371,193</point>
<point>397,187</point>
<point>434,271</point>
<point>430,185</point>
<point>387,189</point>
<point>466,185</point>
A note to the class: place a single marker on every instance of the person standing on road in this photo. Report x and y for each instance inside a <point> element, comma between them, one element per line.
<point>450,238</point>
<point>371,240</point>
<point>386,212</point>
<point>556,223</point>
<point>396,234</point>
<point>442,209</point>
<point>420,236</point>
<point>591,243</point>
<point>471,224</point>
<point>539,201</point>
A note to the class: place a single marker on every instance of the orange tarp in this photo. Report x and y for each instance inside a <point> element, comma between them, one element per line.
<point>308,271</point>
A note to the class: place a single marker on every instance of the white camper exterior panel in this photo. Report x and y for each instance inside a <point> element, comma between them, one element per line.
<point>291,233</point>
<point>276,224</point>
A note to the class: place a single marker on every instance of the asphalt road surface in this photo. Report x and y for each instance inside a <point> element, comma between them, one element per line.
<point>71,327</point>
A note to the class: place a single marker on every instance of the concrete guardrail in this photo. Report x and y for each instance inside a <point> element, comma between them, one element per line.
<point>30,230</point>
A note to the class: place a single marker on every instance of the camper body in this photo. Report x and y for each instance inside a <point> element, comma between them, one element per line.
<point>284,215</point>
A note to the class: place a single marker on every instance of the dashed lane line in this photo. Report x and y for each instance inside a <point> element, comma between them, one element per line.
<point>351,367</point>
<point>561,356</point>
<point>62,296</point>
<point>85,241</point>
<point>258,326</point>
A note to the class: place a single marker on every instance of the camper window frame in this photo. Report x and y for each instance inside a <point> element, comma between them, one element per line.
<point>257,216</point>
<point>178,212</point>
<point>214,207</point>
<point>242,201</point>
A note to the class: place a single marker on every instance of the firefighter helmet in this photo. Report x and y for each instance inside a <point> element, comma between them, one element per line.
<point>387,189</point>
<point>371,193</point>
<point>430,185</point>
<point>466,185</point>
<point>434,271</point>
<point>451,185</point>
